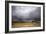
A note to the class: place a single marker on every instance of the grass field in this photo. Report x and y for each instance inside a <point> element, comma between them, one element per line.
<point>16,24</point>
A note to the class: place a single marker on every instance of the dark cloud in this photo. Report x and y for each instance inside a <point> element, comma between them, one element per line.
<point>25,13</point>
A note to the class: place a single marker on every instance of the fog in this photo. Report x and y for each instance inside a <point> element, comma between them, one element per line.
<point>25,13</point>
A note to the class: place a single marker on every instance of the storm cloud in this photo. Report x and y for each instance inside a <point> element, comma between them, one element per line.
<point>25,13</point>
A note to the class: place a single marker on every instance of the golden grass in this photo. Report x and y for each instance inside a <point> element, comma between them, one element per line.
<point>25,24</point>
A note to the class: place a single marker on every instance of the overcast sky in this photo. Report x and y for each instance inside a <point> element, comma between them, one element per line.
<point>25,12</point>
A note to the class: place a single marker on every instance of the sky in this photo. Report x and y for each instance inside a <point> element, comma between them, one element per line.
<point>25,13</point>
